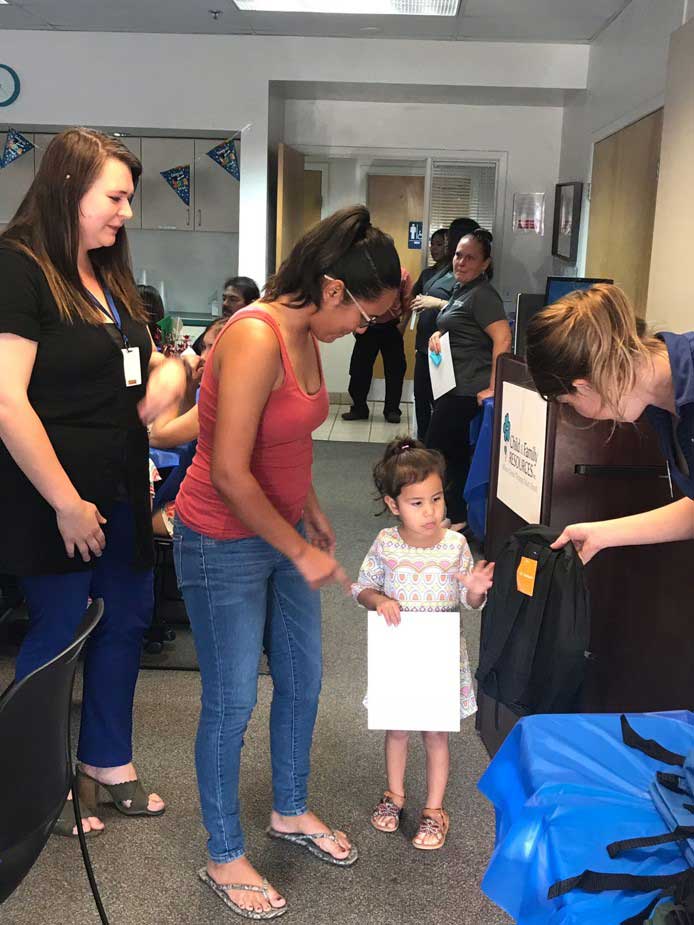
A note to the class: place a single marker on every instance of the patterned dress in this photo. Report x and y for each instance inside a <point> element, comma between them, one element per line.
<point>422,580</point>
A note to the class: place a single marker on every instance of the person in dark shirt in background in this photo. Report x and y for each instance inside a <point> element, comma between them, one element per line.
<point>436,290</point>
<point>387,337</point>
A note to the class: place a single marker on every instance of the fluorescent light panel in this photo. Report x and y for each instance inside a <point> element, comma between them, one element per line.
<point>360,7</point>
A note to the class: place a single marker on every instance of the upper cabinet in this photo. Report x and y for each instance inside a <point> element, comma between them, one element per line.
<point>15,179</point>
<point>216,191</point>
<point>162,207</point>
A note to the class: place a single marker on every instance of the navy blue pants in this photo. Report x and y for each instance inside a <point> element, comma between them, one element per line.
<point>56,606</point>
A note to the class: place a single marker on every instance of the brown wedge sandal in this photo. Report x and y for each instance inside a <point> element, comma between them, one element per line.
<point>437,828</point>
<point>388,809</point>
<point>129,797</point>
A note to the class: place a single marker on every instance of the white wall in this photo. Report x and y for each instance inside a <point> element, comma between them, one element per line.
<point>191,83</point>
<point>669,294</point>
<point>531,137</point>
<point>626,81</point>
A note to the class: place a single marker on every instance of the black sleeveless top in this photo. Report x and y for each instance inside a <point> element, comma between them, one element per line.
<point>78,390</point>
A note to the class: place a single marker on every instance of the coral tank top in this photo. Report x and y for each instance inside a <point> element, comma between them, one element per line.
<point>282,457</point>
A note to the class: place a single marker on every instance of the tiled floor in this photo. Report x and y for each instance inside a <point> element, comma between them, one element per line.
<point>375,430</point>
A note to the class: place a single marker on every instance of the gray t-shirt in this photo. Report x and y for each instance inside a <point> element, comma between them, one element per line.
<point>472,308</point>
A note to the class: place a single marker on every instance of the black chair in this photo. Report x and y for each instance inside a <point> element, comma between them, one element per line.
<point>37,771</point>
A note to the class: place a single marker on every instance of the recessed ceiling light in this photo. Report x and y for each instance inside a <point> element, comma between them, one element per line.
<point>360,7</point>
<point>6,2</point>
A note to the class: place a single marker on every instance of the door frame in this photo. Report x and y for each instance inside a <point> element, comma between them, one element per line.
<point>364,155</point>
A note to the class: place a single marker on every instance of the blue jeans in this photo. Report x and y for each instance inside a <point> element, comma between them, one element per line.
<point>56,605</point>
<point>243,595</point>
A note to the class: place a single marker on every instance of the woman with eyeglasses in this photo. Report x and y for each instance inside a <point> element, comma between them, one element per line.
<point>478,333</point>
<point>252,545</point>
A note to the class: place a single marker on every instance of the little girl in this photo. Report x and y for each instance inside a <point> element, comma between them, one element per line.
<point>401,561</point>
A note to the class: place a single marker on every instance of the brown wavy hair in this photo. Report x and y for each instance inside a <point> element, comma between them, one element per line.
<point>593,335</point>
<point>46,224</point>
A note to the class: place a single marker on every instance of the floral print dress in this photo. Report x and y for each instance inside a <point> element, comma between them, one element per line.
<point>423,580</point>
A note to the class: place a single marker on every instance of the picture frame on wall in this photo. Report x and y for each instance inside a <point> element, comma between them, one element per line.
<point>567,220</point>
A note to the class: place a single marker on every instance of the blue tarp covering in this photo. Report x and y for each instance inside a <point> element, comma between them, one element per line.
<point>563,787</point>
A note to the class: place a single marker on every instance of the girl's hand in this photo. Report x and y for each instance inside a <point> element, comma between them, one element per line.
<point>390,610</point>
<point>165,387</point>
<point>480,579</point>
<point>435,342</point>
<point>80,527</point>
<point>320,568</point>
<point>319,531</point>
<point>587,538</point>
<point>421,303</point>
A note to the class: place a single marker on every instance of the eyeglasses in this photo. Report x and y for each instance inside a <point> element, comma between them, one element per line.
<point>369,320</point>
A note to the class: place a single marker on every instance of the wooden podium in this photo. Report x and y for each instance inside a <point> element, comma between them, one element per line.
<point>641,656</point>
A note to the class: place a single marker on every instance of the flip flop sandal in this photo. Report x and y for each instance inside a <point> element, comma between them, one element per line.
<point>387,809</point>
<point>129,797</point>
<point>306,841</point>
<point>222,890</point>
<point>65,822</point>
<point>430,826</point>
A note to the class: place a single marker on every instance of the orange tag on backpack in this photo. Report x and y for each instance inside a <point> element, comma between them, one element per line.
<point>525,576</point>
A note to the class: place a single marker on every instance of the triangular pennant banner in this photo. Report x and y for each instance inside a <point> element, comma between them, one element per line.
<point>225,155</point>
<point>178,179</point>
<point>15,146</point>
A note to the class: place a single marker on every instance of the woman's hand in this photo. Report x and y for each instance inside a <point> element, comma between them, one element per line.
<point>435,342</point>
<point>587,538</point>
<point>320,568</point>
<point>319,531</point>
<point>165,387</point>
<point>421,303</point>
<point>479,580</point>
<point>485,393</point>
<point>79,524</point>
<point>389,610</point>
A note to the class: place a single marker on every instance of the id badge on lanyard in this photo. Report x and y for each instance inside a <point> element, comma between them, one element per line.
<point>132,367</point>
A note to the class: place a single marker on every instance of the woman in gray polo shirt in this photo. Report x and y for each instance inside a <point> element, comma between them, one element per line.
<point>479,332</point>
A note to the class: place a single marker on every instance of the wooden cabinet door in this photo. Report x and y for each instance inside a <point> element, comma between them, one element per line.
<point>290,200</point>
<point>15,180</point>
<point>394,202</point>
<point>162,208</point>
<point>216,191</point>
<point>624,186</point>
<point>41,140</point>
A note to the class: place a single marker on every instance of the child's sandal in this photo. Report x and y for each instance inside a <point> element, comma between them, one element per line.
<point>436,828</point>
<point>387,809</point>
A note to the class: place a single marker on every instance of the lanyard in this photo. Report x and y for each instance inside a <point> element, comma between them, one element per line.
<point>113,315</point>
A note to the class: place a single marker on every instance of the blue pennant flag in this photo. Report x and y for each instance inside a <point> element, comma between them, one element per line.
<point>15,146</point>
<point>225,155</point>
<point>178,179</point>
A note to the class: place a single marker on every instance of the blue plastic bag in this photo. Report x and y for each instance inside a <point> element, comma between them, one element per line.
<point>564,787</point>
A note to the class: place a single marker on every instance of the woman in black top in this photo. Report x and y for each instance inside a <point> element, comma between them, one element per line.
<point>74,482</point>
<point>479,332</point>
<point>434,292</point>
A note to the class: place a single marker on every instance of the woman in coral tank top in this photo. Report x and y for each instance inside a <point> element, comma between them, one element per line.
<point>252,545</point>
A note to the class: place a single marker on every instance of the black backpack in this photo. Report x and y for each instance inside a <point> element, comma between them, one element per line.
<point>533,648</point>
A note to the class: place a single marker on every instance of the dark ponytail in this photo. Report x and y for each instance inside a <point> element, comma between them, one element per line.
<point>484,238</point>
<point>345,246</point>
<point>405,461</point>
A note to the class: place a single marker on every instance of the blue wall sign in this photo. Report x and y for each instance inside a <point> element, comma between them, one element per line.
<point>414,236</point>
